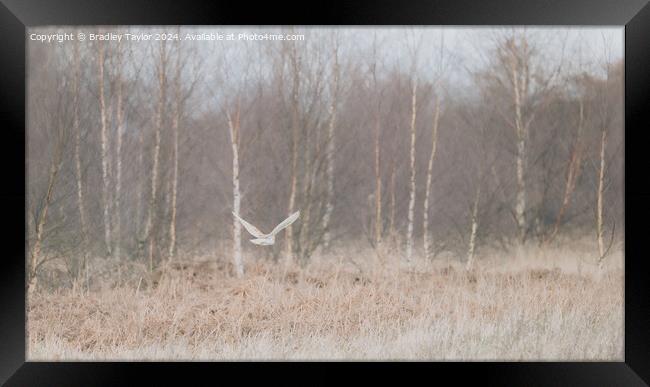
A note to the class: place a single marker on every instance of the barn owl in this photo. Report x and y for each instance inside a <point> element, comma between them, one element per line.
<point>267,239</point>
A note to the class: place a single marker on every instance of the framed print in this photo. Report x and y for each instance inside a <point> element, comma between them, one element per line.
<point>443,186</point>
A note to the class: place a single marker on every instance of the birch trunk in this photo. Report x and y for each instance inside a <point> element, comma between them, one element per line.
<point>474,228</point>
<point>303,235</point>
<point>233,127</point>
<point>520,200</point>
<point>329,207</point>
<point>141,179</point>
<point>174,182</point>
<point>77,159</point>
<point>290,208</point>
<point>519,79</point>
<point>378,229</point>
<point>162,84</point>
<point>294,154</point>
<point>425,223</point>
<point>391,222</point>
<point>599,201</point>
<point>378,219</point>
<point>118,157</point>
<point>411,213</point>
<point>104,149</point>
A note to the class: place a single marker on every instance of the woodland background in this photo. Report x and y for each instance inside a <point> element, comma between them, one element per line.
<point>460,190</point>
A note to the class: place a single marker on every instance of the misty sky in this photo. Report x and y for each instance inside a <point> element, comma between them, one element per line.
<point>465,48</point>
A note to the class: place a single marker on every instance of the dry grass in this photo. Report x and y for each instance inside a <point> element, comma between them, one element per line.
<point>544,306</point>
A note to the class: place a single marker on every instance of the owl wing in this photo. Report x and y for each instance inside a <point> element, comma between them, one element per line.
<point>254,231</point>
<point>285,223</point>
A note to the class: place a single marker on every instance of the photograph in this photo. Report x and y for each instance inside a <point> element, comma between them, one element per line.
<point>364,193</point>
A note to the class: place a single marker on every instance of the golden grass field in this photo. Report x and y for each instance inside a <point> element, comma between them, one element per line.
<point>532,304</point>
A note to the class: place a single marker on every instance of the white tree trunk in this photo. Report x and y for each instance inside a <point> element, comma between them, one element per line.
<point>378,218</point>
<point>411,213</point>
<point>428,251</point>
<point>520,200</point>
<point>391,221</point>
<point>378,229</point>
<point>599,201</point>
<point>77,159</point>
<point>292,201</point>
<point>233,127</point>
<point>162,84</point>
<point>294,152</point>
<point>141,181</point>
<point>329,207</point>
<point>104,150</point>
<point>174,182</point>
<point>118,156</point>
<point>519,79</point>
<point>307,180</point>
<point>474,228</point>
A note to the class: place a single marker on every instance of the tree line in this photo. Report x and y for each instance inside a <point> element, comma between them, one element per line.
<point>141,150</point>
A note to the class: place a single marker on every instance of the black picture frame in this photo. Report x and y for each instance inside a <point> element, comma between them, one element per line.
<point>16,16</point>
